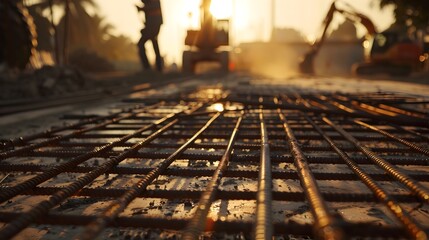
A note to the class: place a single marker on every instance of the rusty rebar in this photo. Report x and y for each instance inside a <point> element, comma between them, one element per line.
<point>207,173</point>
<point>337,104</point>
<point>43,207</point>
<point>402,111</point>
<point>22,140</point>
<point>252,104</point>
<point>394,172</point>
<point>420,135</point>
<point>413,229</point>
<point>366,230</point>
<point>114,209</point>
<point>326,225</point>
<point>391,136</point>
<point>263,224</point>
<point>297,196</point>
<point>15,152</point>
<point>198,222</point>
<point>46,175</point>
<point>381,107</point>
<point>250,150</point>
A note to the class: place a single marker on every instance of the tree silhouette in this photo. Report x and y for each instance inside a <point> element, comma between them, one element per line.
<point>44,31</point>
<point>120,48</point>
<point>87,33</point>
<point>76,34</point>
<point>81,29</point>
<point>413,14</point>
<point>286,35</point>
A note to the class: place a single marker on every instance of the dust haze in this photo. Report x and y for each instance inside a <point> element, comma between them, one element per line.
<point>280,57</point>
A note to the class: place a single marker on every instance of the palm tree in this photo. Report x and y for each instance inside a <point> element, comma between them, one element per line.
<point>120,48</point>
<point>100,32</point>
<point>82,33</point>
<point>75,28</point>
<point>44,28</point>
<point>17,35</point>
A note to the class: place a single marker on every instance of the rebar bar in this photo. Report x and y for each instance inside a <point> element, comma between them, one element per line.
<point>410,225</point>
<point>198,222</point>
<point>414,186</point>
<point>326,225</point>
<point>263,225</point>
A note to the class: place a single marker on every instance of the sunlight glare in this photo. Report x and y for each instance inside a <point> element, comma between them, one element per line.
<point>218,107</point>
<point>191,18</point>
<point>366,44</point>
<point>221,9</point>
<point>311,38</point>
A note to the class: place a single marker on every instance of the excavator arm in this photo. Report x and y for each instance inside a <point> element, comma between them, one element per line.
<point>307,64</point>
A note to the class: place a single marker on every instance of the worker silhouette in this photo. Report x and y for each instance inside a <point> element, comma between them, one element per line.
<point>153,22</point>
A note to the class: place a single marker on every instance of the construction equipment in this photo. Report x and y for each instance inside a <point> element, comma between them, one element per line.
<point>18,39</point>
<point>387,52</point>
<point>206,43</point>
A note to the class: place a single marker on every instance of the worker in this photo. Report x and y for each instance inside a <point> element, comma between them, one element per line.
<point>153,16</point>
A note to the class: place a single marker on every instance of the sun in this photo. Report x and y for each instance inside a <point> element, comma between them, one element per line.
<point>221,9</point>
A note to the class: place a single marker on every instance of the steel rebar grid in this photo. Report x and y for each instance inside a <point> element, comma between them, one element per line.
<point>203,172</point>
<point>404,142</point>
<point>362,229</point>
<point>245,154</point>
<point>113,210</point>
<point>414,230</point>
<point>366,113</point>
<point>380,107</point>
<point>22,140</point>
<point>336,104</point>
<point>15,152</point>
<point>411,132</point>
<point>235,158</point>
<point>14,227</point>
<point>198,222</point>
<point>326,226</point>
<point>226,195</point>
<point>410,183</point>
<point>32,182</point>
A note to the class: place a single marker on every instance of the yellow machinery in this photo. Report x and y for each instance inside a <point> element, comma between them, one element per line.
<point>205,44</point>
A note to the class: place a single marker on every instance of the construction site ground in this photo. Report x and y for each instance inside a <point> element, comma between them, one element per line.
<point>417,84</point>
<point>214,85</point>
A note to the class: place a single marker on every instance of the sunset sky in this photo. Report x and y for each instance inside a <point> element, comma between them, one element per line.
<point>252,18</point>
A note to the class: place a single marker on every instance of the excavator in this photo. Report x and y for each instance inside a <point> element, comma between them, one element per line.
<point>386,52</point>
<point>205,44</point>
